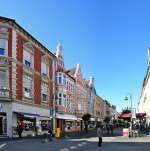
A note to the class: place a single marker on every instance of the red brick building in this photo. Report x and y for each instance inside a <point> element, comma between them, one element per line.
<point>65,91</point>
<point>80,95</point>
<point>27,74</point>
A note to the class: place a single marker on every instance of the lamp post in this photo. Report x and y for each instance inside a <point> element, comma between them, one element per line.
<point>127,98</point>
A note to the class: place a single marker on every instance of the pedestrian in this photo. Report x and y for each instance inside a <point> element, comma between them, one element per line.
<point>111,129</point>
<point>99,135</point>
<point>107,128</point>
<point>50,134</point>
<point>19,129</point>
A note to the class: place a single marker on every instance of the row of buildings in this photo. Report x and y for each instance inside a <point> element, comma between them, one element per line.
<point>36,88</point>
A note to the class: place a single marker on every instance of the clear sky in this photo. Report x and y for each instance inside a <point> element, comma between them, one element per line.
<point>109,38</point>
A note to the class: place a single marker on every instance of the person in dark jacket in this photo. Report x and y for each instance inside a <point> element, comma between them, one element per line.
<point>50,134</point>
<point>19,129</point>
<point>99,135</point>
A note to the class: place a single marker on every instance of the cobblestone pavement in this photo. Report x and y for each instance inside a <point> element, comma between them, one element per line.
<point>78,144</point>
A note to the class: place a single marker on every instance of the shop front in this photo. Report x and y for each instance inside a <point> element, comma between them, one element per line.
<point>65,122</point>
<point>4,117</point>
<point>29,123</point>
<point>36,121</point>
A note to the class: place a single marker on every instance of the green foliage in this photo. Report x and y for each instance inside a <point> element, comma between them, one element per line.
<point>126,111</point>
<point>86,117</point>
<point>107,119</point>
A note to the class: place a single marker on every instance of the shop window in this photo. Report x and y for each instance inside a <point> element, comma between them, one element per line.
<point>29,124</point>
<point>45,125</point>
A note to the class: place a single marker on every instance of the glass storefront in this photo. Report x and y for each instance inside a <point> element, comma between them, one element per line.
<point>45,124</point>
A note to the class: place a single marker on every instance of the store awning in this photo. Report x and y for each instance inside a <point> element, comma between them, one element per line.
<point>128,115</point>
<point>66,116</point>
<point>44,118</point>
<point>30,115</point>
<point>139,115</point>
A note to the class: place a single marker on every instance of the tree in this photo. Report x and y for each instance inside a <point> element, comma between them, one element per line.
<point>86,117</point>
<point>126,111</point>
<point>107,119</point>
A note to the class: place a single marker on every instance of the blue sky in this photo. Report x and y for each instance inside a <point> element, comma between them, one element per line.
<point>109,38</point>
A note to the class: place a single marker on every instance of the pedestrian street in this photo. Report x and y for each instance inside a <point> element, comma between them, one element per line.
<point>78,144</point>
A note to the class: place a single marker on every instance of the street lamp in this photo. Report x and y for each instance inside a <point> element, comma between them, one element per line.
<point>129,96</point>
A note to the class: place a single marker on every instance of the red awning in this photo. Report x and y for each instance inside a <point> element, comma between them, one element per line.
<point>128,115</point>
<point>139,115</point>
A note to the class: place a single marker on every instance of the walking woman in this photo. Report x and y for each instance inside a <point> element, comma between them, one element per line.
<point>99,135</point>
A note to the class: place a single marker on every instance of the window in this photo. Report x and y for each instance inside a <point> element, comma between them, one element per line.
<point>3,78</point>
<point>44,92</point>
<point>44,68</point>
<point>3,87</point>
<point>60,98</point>
<point>64,79</point>
<point>28,86</point>
<point>44,97</point>
<point>27,63</point>
<point>60,78</point>
<point>27,92</point>
<point>2,47</point>
<point>27,58</point>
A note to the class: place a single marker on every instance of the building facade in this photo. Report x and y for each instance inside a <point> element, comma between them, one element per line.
<point>90,97</point>
<point>27,74</point>
<point>99,108</point>
<point>36,89</point>
<point>144,103</point>
<point>80,95</point>
<point>65,91</point>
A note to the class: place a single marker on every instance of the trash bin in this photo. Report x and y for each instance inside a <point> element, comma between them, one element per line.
<point>57,134</point>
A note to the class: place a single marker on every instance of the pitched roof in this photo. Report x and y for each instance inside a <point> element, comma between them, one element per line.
<point>23,30</point>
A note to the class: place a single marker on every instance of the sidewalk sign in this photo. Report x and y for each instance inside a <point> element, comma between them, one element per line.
<point>125,132</point>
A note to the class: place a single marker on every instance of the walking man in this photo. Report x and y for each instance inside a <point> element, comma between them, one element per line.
<point>99,135</point>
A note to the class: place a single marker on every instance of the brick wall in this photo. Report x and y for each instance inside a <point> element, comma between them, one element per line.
<point>19,67</point>
<point>37,76</point>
